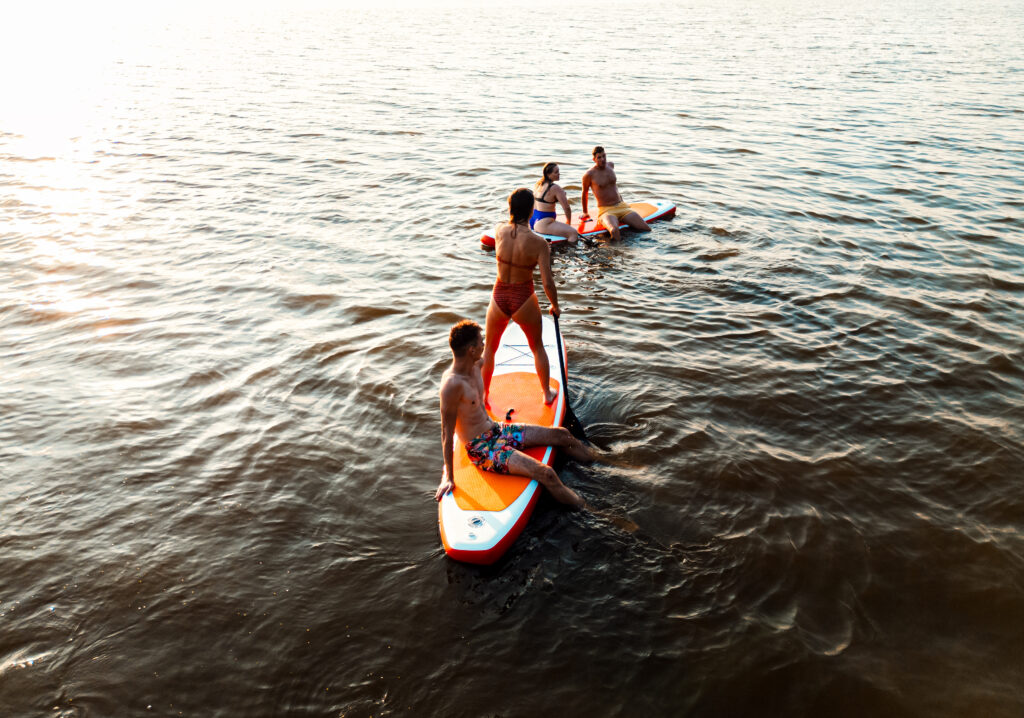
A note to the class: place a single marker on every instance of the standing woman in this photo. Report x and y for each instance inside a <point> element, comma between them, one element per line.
<point>546,193</point>
<point>519,251</point>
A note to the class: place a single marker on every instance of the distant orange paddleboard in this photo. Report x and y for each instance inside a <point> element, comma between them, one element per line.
<point>486,512</point>
<point>650,211</point>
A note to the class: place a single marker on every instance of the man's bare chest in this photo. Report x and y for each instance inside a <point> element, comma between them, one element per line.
<point>604,179</point>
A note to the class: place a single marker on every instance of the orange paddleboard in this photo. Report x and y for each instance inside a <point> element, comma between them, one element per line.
<point>486,512</point>
<point>650,211</point>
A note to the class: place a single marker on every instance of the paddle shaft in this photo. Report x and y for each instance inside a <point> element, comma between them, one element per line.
<point>571,422</point>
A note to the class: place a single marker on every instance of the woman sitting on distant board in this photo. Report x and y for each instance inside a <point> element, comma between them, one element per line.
<point>519,251</point>
<point>545,194</point>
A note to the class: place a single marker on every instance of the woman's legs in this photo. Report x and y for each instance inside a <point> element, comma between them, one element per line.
<point>493,329</point>
<point>528,317</point>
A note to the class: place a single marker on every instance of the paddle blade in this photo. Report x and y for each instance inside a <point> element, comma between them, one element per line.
<point>573,424</point>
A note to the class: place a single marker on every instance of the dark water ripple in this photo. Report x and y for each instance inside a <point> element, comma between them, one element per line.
<point>218,408</point>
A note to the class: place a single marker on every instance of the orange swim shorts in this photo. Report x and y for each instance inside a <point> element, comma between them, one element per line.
<point>618,211</point>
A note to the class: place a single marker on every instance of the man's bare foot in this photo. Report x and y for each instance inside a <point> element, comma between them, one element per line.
<point>550,396</point>
<point>571,498</point>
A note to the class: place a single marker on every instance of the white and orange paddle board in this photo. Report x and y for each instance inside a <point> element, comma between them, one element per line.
<point>485,512</point>
<point>650,211</point>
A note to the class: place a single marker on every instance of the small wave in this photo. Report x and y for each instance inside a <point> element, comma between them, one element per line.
<point>1004,282</point>
<point>410,178</point>
<point>714,256</point>
<point>110,325</point>
<point>322,353</point>
<point>202,378</point>
<point>915,220</point>
<point>1005,363</point>
<point>19,158</point>
<point>410,133</point>
<point>23,659</point>
<point>44,312</point>
<point>137,426</point>
<point>442,316</point>
<point>842,218</point>
<point>215,399</point>
<point>314,301</point>
<point>972,237</point>
<point>334,219</point>
<point>360,314</point>
<point>973,110</point>
<point>824,296</point>
<point>847,198</point>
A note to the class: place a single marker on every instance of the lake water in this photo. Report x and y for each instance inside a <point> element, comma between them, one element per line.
<point>234,239</point>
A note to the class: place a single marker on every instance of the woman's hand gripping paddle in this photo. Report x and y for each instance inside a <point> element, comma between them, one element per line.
<point>571,422</point>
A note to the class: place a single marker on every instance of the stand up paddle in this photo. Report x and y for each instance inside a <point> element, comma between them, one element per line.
<point>571,422</point>
<point>480,518</point>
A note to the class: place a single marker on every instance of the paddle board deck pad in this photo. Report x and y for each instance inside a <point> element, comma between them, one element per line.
<point>485,512</point>
<point>650,211</point>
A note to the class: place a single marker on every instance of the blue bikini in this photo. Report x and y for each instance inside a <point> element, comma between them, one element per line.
<point>538,215</point>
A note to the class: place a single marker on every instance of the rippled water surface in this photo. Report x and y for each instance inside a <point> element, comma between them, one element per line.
<point>233,242</point>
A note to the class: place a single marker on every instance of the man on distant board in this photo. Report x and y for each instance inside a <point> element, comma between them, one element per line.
<point>611,209</point>
<point>492,446</point>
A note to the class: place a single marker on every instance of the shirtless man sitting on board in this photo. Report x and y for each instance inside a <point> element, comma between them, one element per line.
<point>611,209</point>
<point>492,446</point>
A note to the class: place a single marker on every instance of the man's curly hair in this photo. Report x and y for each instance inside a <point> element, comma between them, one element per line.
<point>463,335</point>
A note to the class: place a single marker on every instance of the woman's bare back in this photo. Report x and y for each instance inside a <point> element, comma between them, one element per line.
<point>517,250</point>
